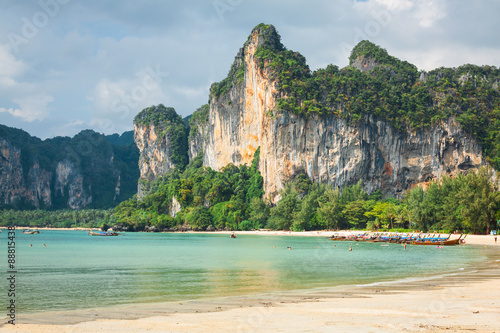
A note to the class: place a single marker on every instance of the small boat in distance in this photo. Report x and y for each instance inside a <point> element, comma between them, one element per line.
<point>30,232</point>
<point>110,232</point>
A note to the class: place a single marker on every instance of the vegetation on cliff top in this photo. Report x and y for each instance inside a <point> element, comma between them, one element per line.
<point>391,91</point>
<point>197,119</point>
<point>168,123</point>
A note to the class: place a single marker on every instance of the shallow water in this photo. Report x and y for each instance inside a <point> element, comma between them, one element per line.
<point>77,271</point>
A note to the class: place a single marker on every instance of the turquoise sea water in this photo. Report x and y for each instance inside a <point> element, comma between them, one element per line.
<point>77,271</point>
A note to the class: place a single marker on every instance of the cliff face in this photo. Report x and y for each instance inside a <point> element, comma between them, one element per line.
<point>154,160</point>
<point>84,171</point>
<point>69,179</point>
<point>161,136</point>
<point>14,186</point>
<point>327,149</point>
<point>198,131</point>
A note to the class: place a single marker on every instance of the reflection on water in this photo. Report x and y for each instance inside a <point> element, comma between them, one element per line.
<point>77,271</point>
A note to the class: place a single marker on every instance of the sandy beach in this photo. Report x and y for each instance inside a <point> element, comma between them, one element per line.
<point>486,240</point>
<point>468,300</point>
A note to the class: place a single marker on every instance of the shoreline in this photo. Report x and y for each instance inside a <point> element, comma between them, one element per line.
<point>453,302</point>
<point>487,240</point>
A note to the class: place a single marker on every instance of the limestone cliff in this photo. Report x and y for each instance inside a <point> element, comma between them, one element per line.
<point>14,186</point>
<point>244,114</point>
<point>161,136</point>
<point>198,131</point>
<point>69,179</point>
<point>83,171</point>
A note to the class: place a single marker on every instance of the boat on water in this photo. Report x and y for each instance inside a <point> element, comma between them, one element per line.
<point>110,232</point>
<point>30,232</point>
<point>233,235</point>
<point>439,242</point>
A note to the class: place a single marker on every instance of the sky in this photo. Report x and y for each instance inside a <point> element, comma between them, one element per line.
<point>69,65</point>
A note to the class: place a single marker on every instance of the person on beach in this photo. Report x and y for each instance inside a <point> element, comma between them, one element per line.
<point>495,239</point>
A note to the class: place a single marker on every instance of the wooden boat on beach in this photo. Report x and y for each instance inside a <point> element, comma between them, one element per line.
<point>103,233</point>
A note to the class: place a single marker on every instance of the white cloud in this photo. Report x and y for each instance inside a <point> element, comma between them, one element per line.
<point>453,55</point>
<point>395,5</point>
<point>30,107</point>
<point>116,102</point>
<point>70,128</point>
<point>428,12</point>
<point>91,57</point>
<point>10,68</point>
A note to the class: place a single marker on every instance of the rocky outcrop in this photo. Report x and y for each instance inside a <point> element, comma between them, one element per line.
<point>155,153</point>
<point>161,136</point>
<point>327,149</point>
<point>175,207</point>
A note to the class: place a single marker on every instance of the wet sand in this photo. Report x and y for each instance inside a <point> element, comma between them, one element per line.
<point>468,300</point>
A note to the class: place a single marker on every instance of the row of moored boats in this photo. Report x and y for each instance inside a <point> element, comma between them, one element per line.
<point>414,239</point>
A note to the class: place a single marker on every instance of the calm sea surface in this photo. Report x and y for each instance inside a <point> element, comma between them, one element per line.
<point>77,271</point>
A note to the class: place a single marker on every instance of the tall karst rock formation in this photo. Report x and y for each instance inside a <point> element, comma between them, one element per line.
<point>338,126</point>
<point>327,148</point>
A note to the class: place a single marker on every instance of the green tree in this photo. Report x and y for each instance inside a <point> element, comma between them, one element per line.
<point>329,209</point>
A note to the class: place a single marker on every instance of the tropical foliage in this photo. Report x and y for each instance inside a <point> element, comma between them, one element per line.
<point>84,218</point>
<point>208,198</point>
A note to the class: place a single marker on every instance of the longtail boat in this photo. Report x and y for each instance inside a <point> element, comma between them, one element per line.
<point>438,241</point>
<point>103,233</point>
<point>30,232</point>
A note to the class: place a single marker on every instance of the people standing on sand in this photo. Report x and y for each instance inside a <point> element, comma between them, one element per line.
<point>495,239</point>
